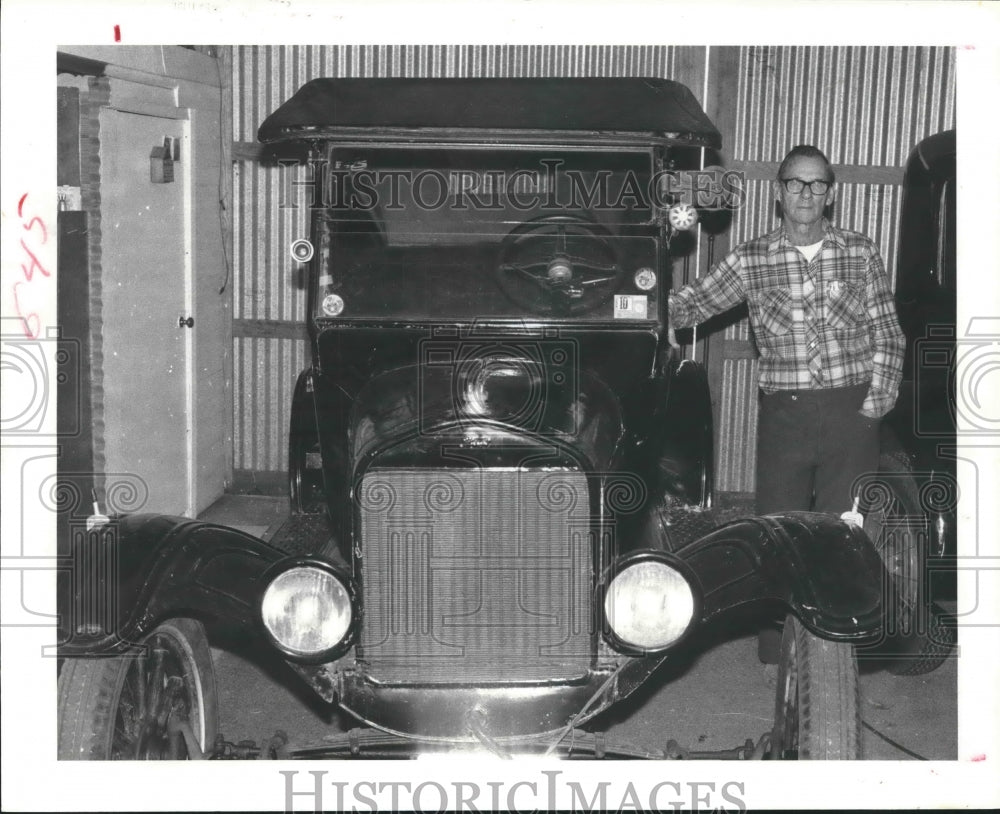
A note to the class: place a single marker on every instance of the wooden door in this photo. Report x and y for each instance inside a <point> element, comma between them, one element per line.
<point>145,290</point>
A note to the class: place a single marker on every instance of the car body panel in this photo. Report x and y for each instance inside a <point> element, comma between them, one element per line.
<point>823,570</point>
<point>162,566</point>
<point>658,108</point>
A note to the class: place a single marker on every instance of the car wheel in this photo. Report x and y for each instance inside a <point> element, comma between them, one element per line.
<point>923,653</point>
<point>917,641</point>
<point>142,707</point>
<point>817,712</point>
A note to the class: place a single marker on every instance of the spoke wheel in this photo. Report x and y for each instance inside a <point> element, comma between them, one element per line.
<point>918,641</point>
<point>135,708</point>
<point>897,527</point>
<point>817,712</point>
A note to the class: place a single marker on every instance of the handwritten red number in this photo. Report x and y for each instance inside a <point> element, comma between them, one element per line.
<point>32,322</point>
<point>37,221</point>
<point>29,271</point>
<point>29,331</point>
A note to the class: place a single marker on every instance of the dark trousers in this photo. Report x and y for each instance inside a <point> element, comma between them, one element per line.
<point>811,447</point>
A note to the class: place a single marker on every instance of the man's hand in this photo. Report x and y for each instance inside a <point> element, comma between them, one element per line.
<point>877,404</point>
<point>671,338</point>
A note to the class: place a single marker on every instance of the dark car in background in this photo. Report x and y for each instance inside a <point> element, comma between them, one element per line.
<point>913,502</point>
<point>922,425</point>
<point>500,474</point>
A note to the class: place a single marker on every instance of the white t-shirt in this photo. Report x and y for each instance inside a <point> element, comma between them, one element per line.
<point>810,251</point>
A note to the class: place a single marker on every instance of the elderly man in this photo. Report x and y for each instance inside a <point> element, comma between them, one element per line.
<point>831,350</point>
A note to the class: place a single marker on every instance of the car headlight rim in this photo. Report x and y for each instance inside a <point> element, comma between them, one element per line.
<point>344,591</point>
<point>686,593</point>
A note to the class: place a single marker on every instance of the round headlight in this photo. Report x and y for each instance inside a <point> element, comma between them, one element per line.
<point>649,605</point>
<point>307,610</point>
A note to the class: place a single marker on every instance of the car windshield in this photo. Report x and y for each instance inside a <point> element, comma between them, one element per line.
<point>464,234</point>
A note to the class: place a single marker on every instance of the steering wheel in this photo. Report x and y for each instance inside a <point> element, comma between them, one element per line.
<point>559,265</point>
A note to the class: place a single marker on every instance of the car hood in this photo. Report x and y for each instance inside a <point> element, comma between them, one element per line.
<point>497,401</point>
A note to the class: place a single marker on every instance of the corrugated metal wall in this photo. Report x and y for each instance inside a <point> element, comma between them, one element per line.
<point>264,374</point>
<point>864,106</point>
<point>264,288</point>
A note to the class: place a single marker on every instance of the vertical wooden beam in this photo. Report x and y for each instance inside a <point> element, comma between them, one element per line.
<point>723,97</point>
<point>689,69</point>
<point>225,58</point>
<point>68,137</point>
<point>75,463</point>
<point>721,106</point>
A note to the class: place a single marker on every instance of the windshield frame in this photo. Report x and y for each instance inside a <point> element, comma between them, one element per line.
<point>648,157</point>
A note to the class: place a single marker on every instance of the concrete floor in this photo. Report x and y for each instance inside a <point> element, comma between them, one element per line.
<point>715,700</point>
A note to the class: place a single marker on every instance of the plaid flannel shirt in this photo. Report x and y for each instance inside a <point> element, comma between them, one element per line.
<point>851,305</point>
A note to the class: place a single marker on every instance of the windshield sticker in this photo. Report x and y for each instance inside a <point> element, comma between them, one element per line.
<point>630,306</point>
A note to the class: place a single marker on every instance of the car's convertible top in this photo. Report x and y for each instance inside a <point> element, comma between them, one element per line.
<point>659,108</point>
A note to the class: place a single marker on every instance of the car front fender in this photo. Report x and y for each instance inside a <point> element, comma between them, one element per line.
<point>138,570</point>
<point>826,572</point>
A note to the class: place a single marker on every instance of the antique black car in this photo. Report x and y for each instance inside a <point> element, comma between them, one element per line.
<point>917,488</point>
<point>500,474</point>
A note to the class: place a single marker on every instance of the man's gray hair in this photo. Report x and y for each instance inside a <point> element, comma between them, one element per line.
<point>806,151</point>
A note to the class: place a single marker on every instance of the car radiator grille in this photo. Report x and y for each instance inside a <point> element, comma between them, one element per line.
<point>475,575</point>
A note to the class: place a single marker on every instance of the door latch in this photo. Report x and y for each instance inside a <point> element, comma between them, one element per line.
<point>185,322</point>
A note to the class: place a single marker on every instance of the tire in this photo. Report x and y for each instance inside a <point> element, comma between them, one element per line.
<point>101,700</point>
<point>917,641</point>
<point>817,713</point>
<point>926,652</point>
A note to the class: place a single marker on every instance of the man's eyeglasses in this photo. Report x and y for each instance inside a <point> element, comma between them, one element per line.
<point>796,185</point>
